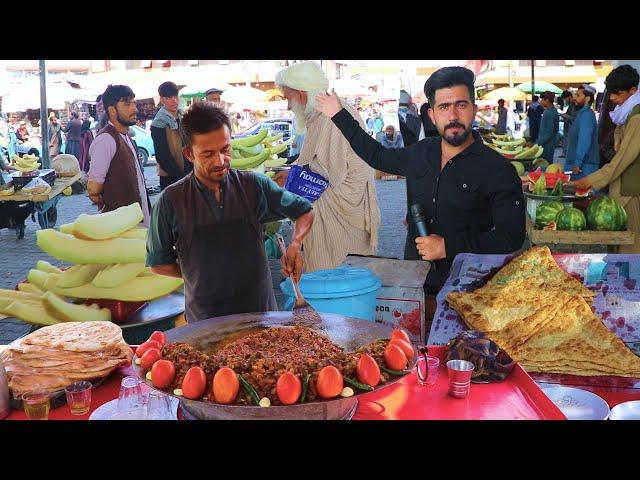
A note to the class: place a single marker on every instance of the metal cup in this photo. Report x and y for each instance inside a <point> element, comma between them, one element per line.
<point>459,372</point>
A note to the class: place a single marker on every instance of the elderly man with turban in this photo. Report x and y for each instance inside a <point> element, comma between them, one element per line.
<point>347,217</point>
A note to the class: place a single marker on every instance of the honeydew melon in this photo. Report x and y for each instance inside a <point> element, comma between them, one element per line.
<point>34,313</point>
<point>51,281</point>
<point>104,226</point>
<point>137,289</point>
<point>68,248</point>
<point>66,228</point>
<point>37,278</point>
<point>79,275</point>
<point>139,233</point>
<point>116,275</point>
<point>18,295</point>
<point>29,288</point>
<point>68,312</point>
<point>46,267</point>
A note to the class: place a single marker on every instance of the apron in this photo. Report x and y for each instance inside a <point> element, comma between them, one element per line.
<point>224,265</point>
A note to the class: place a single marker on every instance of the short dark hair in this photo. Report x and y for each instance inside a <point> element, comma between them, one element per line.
<point>621,79</point>
<point>550,96</point>
<point>448,77</point>
<point>587,94</point>
<point>168,89</point>
<point>74,114</point>
<point>114,93</point>
<point>566,94</point>
<point>202,117</point>
<point>535,98</point>
<point>501,100</point>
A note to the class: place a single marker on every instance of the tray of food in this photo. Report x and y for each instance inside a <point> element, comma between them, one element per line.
<point>270,366</point>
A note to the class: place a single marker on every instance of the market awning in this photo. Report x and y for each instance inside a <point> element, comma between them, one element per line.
<point>244,94</point>
<point>24,96</point>
<point>575,75</point>
<point>506,93</point>
<point>540,85</point>
<point>200,86</point>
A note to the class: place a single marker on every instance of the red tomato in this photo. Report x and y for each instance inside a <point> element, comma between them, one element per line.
<point>288,388</point>
<point>368,370</point>
<point>395,357</point>
<point>146,346</point>
<point>162,373</point>
<point>406,347</point>
<point>401,334</point>
<point>225,385</point>
<point>159,337</point>
<point>330,382</point>
<point>194,383</point>
<point>150,357</point>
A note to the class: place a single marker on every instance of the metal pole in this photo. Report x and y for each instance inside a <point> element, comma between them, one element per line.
<point>533,79</point>
<point>510,77</point>
<point>44,121</point>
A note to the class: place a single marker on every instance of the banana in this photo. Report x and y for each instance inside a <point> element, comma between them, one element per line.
<point>250,141</point>
<point>278,149</point>
<point>247,152</point>
<point>275,163</point>
<point>274,138</point>
<point>27,169</point>
<point>251,162</point>
<point>235,153</point>
<point>270,174</point>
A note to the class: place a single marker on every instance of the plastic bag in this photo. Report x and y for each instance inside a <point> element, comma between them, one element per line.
<point>306,183</point>
<point>37,186</point>
<point>66,164</point>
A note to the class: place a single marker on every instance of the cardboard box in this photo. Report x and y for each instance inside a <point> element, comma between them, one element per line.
<point>400,301</point>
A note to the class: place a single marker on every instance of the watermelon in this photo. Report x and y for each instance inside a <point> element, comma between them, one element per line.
<point>552,178</point>
<point>558,190</point>
<point>540,187</point>
<point>604,213</point>
<point>571,219</point>
<point>547,212</point>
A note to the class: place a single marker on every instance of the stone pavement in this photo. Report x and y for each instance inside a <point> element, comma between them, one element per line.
<point>17,257</point>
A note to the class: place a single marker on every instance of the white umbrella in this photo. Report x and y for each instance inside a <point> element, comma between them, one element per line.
<point>199,87</point>
<point>256,106</point>
<point>244,94</point>
<point>27,96</point>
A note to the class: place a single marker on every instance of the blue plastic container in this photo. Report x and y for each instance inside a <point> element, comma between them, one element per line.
<point>348,291</point>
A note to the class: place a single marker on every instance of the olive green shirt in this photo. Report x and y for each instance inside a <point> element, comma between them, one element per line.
<point>273,203</point>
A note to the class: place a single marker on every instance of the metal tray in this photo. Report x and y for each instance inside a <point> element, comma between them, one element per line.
<point>349,333</point>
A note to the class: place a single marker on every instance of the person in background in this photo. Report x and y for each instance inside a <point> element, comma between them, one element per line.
<point>370,126</point>
<point>347,217</point>
<point>501,125</point>
<point>549,123</point>
<point>213,95</point>
<point>409,121</point>
<point>534,113</point>
<point>583,156</point>
<point>115,178</point>
<point>22,133</point>
<point>73,131</point>
<point>378,123</point>
<point>622,173</point>
<point>55,136</point>
<point>167,142</point>
<point>568,116</point>
<point>392,138</point>
<point>86,138</point>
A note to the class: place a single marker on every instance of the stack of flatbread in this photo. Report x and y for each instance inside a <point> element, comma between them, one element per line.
<point>541,317</point>
<point>58,355</point>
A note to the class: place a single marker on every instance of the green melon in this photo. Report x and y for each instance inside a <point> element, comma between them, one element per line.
<point>104,226</point>
<point>571,219</point>
<point>604,213</point>
<point>547,213</point>
<point>519,168</point>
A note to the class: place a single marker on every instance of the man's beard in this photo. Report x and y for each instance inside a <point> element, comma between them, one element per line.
<point>302,113</point>
<point>125,122</point>
<point>577,107</point>
<point>456,140</point>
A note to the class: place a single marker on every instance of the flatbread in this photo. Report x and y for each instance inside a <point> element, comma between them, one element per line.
<point>76,336</point>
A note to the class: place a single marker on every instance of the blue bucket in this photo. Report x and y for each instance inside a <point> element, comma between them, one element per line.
<point>348,291</point>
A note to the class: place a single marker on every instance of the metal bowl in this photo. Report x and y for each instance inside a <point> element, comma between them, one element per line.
<point>349,333</point>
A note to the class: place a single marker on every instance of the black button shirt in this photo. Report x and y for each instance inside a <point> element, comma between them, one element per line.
<point>475,202</point>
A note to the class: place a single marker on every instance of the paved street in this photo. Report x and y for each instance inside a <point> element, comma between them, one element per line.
<point>19,256</point>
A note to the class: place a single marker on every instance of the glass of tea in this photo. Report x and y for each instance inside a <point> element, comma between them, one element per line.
<point>79,397</point>
<point>36,404</point>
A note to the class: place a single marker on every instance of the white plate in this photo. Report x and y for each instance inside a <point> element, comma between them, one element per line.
<point>107,410</point>
<point>626,411</point>
<point>578,404</point>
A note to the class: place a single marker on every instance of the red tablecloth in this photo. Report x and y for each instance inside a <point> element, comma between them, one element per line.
<point>518,397</point>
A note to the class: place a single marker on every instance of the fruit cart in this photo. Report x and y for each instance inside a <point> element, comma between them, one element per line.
<point>44,204</point>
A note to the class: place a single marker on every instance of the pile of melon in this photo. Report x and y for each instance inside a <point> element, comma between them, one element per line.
<point>108,251</point>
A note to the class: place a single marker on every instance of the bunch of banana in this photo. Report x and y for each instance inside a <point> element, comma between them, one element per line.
<point>258,151</point>
<point>26,163</point>
<point>530,153</point>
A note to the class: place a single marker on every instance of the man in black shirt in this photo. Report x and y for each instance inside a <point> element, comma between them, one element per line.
<point>471,196</point>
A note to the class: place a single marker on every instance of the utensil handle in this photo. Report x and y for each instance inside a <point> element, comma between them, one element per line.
<point>423,351</point>
<point>283,249</point>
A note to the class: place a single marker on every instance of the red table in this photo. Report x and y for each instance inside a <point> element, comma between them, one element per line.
<point>517,397</point>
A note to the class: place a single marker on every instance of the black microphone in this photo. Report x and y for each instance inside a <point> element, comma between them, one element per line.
<point>419,220</point>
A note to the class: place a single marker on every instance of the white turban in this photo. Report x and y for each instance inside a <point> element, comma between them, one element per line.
<point>305,76</point>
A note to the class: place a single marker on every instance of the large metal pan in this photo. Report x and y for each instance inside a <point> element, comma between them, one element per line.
<point>349,333</point>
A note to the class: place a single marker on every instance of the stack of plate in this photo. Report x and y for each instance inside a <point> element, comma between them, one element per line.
<point>578,404</point>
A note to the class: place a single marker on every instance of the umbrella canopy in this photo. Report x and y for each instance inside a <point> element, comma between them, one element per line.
<point>506,93</point>
<point>198,88</point>
<point>243,94</point>
<point>26,96</point>
<point>541,86</point>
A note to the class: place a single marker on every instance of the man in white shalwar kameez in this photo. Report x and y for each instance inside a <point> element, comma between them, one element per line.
<point>347,217</point>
